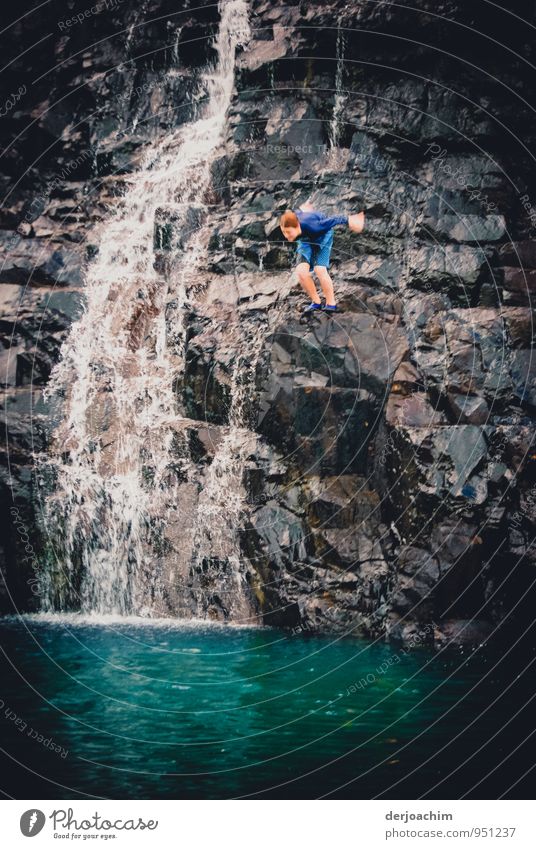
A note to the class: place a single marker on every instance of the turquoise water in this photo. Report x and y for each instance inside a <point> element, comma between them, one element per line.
<point>130,710</point>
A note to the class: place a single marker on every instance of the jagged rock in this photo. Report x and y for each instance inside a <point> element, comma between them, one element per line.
<point>520,325</point>
<point>468,409</point>
<point>519,285</point>
<point>412,411</point>
<point>523,371</point>
<point>471,228</point>
<point>32,261</point>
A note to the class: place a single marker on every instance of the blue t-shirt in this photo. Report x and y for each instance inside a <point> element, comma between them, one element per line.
<point>314,225</point>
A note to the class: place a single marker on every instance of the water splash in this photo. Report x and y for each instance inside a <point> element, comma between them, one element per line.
<point>112,465</point>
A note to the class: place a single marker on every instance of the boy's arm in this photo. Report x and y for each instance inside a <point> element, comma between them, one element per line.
<point>355,222</point>
<point>318,224</point>
<point>330,223</point>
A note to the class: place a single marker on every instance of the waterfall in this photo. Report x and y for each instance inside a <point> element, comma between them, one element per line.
<point>111,453</point>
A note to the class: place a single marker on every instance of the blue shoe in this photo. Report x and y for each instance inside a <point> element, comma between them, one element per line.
<point>312,308</point>
<point>329,308</point>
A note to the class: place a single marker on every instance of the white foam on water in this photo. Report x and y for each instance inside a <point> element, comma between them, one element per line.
<point>79,620</point>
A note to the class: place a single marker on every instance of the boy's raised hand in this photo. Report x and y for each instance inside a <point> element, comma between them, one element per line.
<point>356,222</point>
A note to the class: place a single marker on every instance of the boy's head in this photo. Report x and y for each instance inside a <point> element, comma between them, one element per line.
<point>290,226</point>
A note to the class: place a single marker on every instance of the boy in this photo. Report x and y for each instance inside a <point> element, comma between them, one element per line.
<point>314,248</point>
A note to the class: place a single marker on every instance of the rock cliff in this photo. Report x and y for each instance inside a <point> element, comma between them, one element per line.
<point>383,458</point>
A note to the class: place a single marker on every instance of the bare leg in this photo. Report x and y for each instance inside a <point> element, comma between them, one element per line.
<point>307,282</point>
<point>327,284</point>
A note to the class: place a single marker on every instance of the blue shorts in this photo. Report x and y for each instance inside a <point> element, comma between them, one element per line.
<point>316,253</point>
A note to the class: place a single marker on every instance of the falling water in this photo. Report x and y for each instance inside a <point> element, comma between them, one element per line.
<point>335,127</point>
<point>115,373</point>
<point>335,157</point>
<point>218,580</point>
<point>139,14</point>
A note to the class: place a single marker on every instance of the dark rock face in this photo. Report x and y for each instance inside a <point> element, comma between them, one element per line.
<point>391,478</point>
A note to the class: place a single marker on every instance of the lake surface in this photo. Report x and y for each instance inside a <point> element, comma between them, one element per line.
<point>126,709</point>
